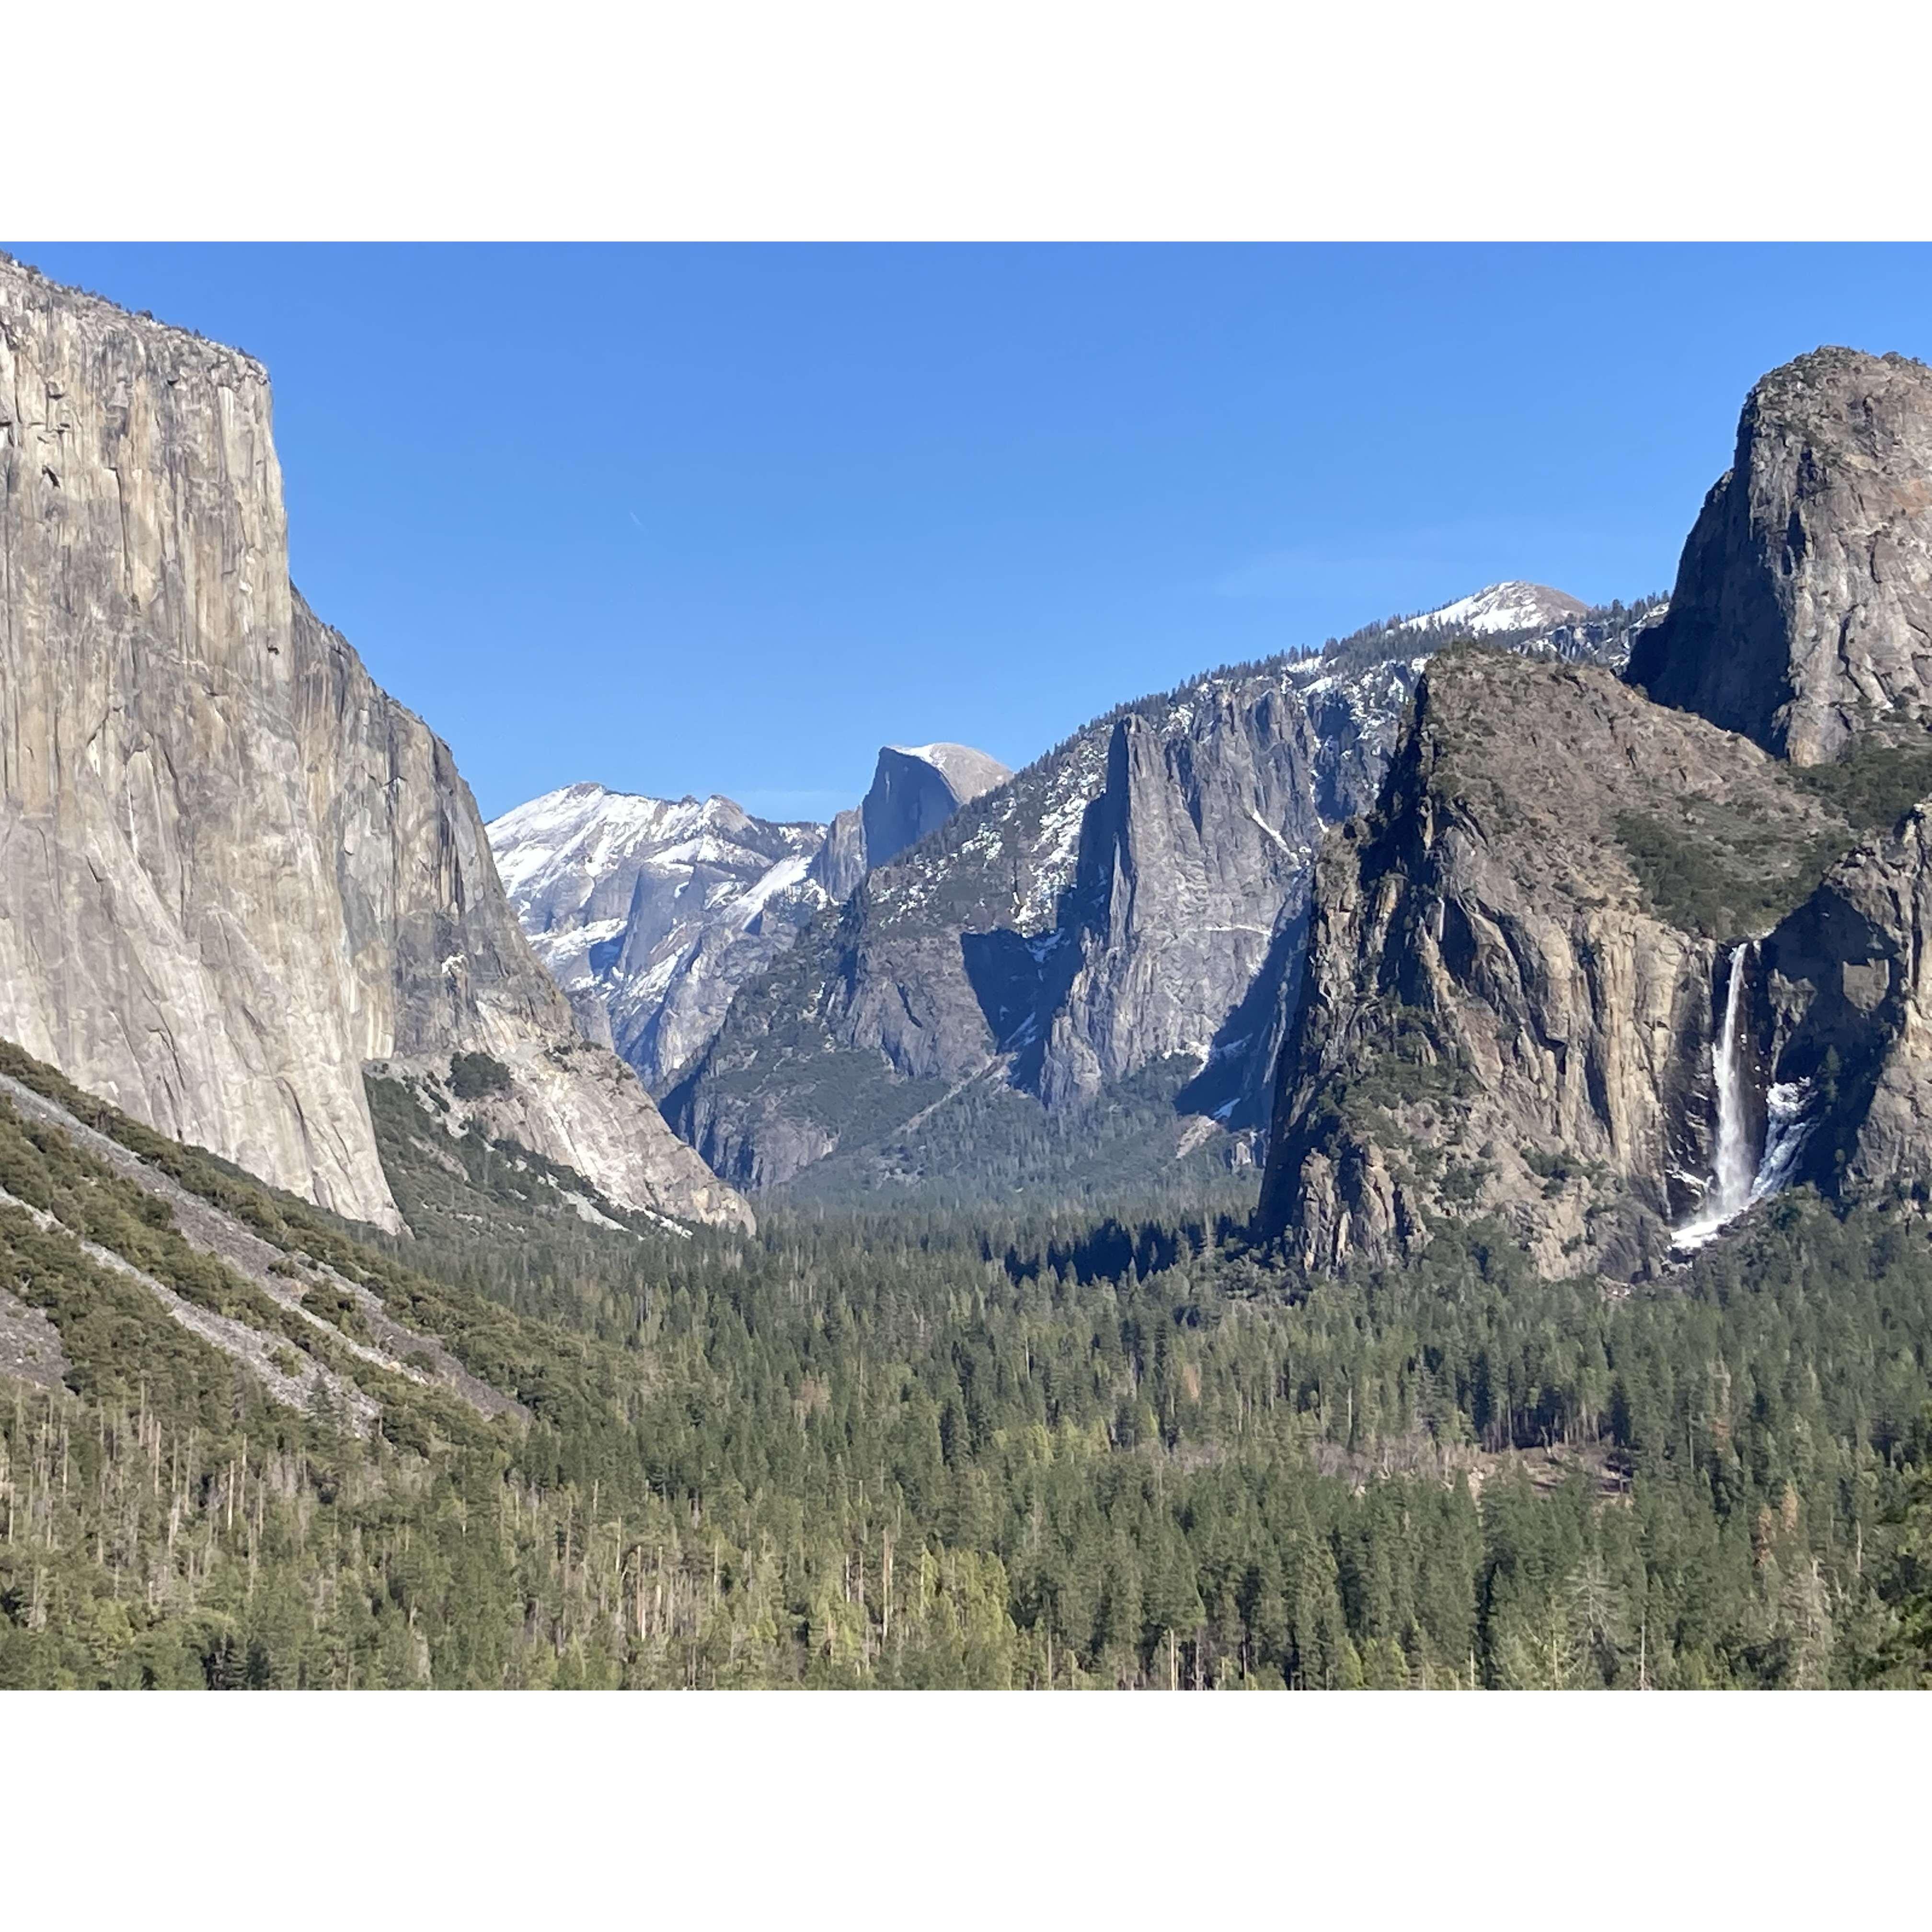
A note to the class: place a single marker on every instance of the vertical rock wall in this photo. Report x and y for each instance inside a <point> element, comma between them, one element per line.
<point>233,870</point>
<point>1802,615</point>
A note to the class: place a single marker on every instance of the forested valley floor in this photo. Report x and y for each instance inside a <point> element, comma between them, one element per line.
<point>924,1450</point>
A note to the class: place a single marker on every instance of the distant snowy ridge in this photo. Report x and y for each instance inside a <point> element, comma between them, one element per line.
<point>584,831</point>
<point>650,913</point>
<point>1498,607</point>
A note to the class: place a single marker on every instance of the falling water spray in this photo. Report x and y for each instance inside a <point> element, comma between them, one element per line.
<point>1733,1171</point>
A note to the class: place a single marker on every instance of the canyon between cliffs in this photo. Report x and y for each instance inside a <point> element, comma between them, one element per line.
<point>1598,928</point>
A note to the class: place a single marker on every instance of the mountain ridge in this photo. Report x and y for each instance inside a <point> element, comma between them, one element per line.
<point>1014,953</point>
<point>651,913</point>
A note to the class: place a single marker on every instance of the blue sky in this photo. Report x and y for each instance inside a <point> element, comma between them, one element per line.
<point>727,519</point>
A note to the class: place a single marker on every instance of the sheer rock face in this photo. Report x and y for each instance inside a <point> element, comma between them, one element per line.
<point>841,861</point>
<point>1843,1015</point>
<point>1494,1020</point>
<point>1802,615</point>
<point>1134,899</point>
<point>232,869</point>
<point>1189,905</point>
<point>917,789</point>
<point>1497,1022</point>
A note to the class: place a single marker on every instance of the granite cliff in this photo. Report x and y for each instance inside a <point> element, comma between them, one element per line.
<point>1127,910</point>
<point>1083,978</point>
<point>1802,615</point>
<point>1840,1021</point>
<point>915,789</point>
<point>233,871</point>
<point>1510,1007</point>
<point>1610,963</point>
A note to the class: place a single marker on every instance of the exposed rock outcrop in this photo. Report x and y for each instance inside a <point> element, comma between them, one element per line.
<point>841,863</point>
<point>1802,615</point>
<point>1114,937</point>
<point>1497,1017</point>
<point>1188,912</point>
<point>1519,963</point>
<point>233,870</point>
<point>915,789</point>
<point>1842,1019</point>
<point>1131,902</point>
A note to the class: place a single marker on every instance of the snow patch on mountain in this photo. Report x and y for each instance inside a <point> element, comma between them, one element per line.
<point>650,912</point>
<point>1499,608</point>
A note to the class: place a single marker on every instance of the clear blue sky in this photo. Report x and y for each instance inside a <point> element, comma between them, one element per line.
<point>726,520</point>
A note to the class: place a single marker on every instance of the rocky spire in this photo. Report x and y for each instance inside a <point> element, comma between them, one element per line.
<point>1802,615</point>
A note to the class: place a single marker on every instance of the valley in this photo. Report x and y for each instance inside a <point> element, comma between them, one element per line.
<point>1400,1163</point>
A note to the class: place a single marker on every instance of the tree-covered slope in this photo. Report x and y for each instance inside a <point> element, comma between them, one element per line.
<point>910,1450</point>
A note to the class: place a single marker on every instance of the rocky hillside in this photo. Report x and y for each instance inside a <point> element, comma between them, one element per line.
<point>108,1228</point>
<point>651,914</point>
<point>1611,970</point>
<point>236,871</point>
<point>1514,977</point>
<point>1106,947</point>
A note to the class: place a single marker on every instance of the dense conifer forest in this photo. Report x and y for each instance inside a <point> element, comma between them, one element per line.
<point>913,1450</point>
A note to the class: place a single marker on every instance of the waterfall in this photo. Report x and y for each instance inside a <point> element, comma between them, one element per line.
<point>1737,1181</point>
<point>1786,1131</point>
<point>1734,1174</point>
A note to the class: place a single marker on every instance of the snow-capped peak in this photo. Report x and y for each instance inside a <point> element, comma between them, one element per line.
<point>1512,606</point>
<point>586,828</point>
<point>619,893</point>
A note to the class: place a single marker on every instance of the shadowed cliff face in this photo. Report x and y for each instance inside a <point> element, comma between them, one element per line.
<point>1191,879</point>
<point>1802,615</point>
<point>1133,902</point>
<point>915,791</point>
<point>1497,1017</point>
<point>232,869</point>
<point>1844,1017</point>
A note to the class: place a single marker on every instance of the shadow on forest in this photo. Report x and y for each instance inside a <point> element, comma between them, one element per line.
<point>1110,1251</point>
